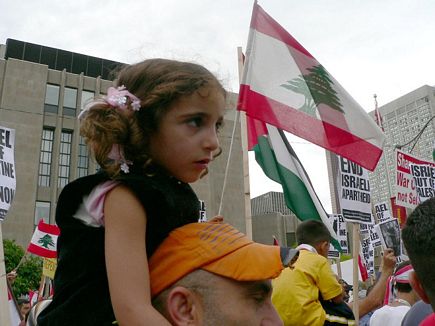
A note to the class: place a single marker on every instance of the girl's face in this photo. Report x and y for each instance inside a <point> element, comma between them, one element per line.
<point>187,136</point>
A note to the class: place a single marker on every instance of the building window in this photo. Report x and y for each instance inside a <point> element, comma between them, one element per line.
<point>87,96</point>
<point>42,212</point>
<point>83,159</point>
<point>51,98</point>
<point>70,102</point>
<point>64,158</point>
<point>45,157</point>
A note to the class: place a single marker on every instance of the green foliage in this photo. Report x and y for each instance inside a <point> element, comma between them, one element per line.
<point>344,257</point>
<point>29,272</point>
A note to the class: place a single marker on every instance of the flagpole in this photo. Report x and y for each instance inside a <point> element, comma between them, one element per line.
<point>356,242</point>
<point>244,139</point>
<point>5,318</point>
<point>384,155</point>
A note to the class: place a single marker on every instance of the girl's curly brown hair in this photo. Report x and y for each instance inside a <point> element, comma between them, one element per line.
<point>158,83</point>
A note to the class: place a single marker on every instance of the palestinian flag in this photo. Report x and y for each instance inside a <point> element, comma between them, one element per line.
<point>285,86</point>
<point>44,240</point>
<point>280,163</point>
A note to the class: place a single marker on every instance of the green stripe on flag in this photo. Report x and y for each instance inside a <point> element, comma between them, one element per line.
<point>299,196</point>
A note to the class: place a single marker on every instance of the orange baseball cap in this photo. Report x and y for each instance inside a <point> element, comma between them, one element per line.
<point>218,248</point>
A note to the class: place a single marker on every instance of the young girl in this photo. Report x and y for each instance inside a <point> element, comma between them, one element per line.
<point>152,135</point>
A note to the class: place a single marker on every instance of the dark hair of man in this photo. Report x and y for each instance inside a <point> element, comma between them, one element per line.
<point>419,238</point>
<point>312,232</point>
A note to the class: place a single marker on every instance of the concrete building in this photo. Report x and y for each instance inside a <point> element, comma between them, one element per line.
<point>402,120</point>
<point>272,218</point>
<point>42,90</point>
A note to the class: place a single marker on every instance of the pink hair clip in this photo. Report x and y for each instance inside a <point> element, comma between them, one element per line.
<point>117,97</point>
<point>117,154</point>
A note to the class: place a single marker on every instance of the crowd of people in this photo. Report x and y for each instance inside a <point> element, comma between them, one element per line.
<point>131,251</point>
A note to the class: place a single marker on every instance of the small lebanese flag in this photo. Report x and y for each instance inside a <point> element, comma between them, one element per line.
<point>44,240</point>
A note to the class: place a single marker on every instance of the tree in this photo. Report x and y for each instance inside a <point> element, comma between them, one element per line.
<point>29,272</point>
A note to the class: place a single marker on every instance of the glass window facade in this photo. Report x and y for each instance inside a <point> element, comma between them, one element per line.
<point>87,96</point>
<point>70,101</point>
<point>64,158</point>
<point>51,98</point>
<point>42,212</point>
<point>83,159</point>
<point>45,157</point>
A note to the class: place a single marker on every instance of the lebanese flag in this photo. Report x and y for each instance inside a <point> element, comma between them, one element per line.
<point>280,163</point>
<point>284,85</point>
<point>44,240</point>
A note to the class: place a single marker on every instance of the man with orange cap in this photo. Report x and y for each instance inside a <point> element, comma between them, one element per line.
<point>212,274</point>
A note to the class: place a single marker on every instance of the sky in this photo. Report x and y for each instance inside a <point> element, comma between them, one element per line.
<point>370,47</point>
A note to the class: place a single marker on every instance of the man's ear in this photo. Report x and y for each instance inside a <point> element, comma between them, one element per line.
<point>183,307</point>
<point>416,285</point>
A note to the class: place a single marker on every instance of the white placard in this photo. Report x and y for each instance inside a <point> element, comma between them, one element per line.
<point>8,180</point>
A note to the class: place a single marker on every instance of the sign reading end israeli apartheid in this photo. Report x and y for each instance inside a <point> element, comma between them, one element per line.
<point>7,170</point>
<point>354,192</point>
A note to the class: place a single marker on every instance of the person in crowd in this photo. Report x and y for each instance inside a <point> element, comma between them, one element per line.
<point>399,298</point>
<point>419,239</point>
<point>24,306</point>
<point>211,274</point>
<point>418,312</point>
<point>375,297</point>
<point>153,134</point>
<point>298,292</point>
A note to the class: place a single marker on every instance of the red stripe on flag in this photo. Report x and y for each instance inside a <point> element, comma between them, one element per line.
<point>40,251</point>
<point>362,269</point>
<point>256,128</point>
<point>48,228</point>
<point>301,124</point>
<point>265,24</point>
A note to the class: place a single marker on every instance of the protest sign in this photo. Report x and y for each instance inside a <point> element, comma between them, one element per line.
<point>374,237</point>
<point>354,192</point>
<point>339,227</point>
<point>202,212</point>
<point>382,212</point>
<point>49,267</point>
<point>8,180</point>
<point>406,193</point>
<point>424,178</point>
<point>389,233</point>
<point>368,256</point>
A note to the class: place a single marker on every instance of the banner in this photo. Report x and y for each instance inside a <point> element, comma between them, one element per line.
<point>49,267</point>
<point>374,236</point>
<point>382,212</point>
<point>424,178</point>
<point>389,233</point>
<point>339,226</point>
<point>202,212</point>
<point>368,256</point>
<point>8,180</point>
<point>354,192</point>
<point>399,212</point>
<point>406,193</point>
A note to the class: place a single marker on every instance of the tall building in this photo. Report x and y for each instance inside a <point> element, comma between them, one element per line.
<point>403,119</point>
<point>272,218</point>
<point>42,91</point>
